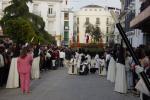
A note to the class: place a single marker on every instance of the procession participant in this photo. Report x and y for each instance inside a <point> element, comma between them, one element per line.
<point>120,82</point>
<point>84,70</point>
<point>107,59</point>
<point>35,69</point>
<point>102,69</point>
<point>72,69</point>
<point>129,74</point>
<point>97,62</point>
<point>92,67</point>
<point>13,77</point>
<point>111,75</point>
<point>2,67</point>
<point>79,60</point>
<point>76,58</point>
<point>88,57</point>
<point>24,63</point>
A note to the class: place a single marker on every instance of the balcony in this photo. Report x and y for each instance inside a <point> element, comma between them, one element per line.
<point>142,21</point>
<point>52,15</point>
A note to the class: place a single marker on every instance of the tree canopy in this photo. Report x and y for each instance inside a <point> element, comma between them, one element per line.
<point>21,25</point>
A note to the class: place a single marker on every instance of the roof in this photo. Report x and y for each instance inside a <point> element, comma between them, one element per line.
<point>92,6</point>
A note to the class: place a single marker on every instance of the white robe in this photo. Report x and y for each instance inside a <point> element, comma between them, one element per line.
<point>120,82</point>
<point>79,60</point>
<point>72,70</point>
<point>13,76</point>
<point>103,67</point>
<point>35,70</point>
<point>111,75</point>
<point>88,60</point>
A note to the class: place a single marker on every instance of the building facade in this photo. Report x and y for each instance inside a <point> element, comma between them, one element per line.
<point>142,20</point>
<point>97,16</point>
<point>135,36</point>
<point>53,13</point>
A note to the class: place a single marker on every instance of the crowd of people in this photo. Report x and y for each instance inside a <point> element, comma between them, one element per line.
<point>115,63</point>
<point>19,63</point>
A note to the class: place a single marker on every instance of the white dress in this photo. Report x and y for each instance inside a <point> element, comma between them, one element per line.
<point>102,69</point>
<point>111,75</point>
<point>13,76</point>
<point>72,69</point>
<point>35,70</point>
<point>120,83</point>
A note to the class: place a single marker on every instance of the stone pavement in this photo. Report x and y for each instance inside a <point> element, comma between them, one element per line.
<point>58,85</point>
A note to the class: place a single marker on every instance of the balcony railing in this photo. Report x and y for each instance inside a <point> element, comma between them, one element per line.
<point>52,15</point>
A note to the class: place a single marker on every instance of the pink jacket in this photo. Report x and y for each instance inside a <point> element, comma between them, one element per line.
<point>24,64</point>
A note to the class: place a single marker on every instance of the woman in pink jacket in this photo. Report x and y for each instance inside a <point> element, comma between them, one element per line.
<point>24,63</point>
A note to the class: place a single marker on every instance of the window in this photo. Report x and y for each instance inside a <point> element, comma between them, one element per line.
<point>77,20</point>
<point>77,29</point>
<point>66,25</point>
<point>95,9</point>
<point>50,9</point>
<point>85,10</point>
<point>107,29</point>
<point>106,38</point>
<point>66,35</point>
<point>66,16</point>
<point>35,7</point>
<point>87,20</point>
<point>97,21</point>
<point>107,21</point>
<point>99,9</point>
<point>90,9</point>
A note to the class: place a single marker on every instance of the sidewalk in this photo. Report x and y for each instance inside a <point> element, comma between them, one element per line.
<point>58,85</point>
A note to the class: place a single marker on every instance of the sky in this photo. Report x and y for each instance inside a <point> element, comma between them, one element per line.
<point>77,4</point>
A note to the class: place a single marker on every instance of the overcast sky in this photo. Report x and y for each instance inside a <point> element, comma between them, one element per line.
<point>76,4</point>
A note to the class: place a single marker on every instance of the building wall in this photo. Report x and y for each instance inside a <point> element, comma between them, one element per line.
<point>52,21</point>
<point>92,14</point>
<point>135,36</point>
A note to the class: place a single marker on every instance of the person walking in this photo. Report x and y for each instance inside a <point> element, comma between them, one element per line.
<point>24,63</point>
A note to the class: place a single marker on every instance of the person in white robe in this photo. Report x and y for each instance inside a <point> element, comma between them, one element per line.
<point>72,69</point>
<point>35,69</point>
<point>121,82</point>
<point>88,57</point>
<point>102,69</point>
<point>79,62</point>
<point>129,73</point>
<point>111,74</point>
<point>13,76</point>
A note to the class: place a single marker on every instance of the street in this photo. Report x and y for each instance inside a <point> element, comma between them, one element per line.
<point>58,85</point>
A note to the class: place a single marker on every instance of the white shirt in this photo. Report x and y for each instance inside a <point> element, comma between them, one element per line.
<point>62,54</point>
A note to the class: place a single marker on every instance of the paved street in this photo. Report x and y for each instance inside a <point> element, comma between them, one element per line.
<point>58,85</point>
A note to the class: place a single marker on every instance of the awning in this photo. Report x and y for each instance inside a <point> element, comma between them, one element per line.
<point>142,21</point>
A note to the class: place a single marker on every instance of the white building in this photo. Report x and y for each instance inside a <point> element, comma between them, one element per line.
<point>96,15</point>
<point>52,12</point>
